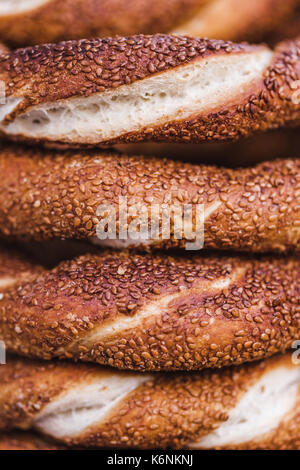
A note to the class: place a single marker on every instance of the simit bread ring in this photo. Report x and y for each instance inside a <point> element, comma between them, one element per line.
<point>30,22</point>
<point>159,88</point>
<point>144,312</point>
<point>254,406</point>
<point>47,195</point>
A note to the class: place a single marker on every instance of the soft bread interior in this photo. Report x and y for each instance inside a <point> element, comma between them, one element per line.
<point>260,410</point>
<point>10,7</point>
<point>117,244</point>
<point>180,93</point>
<point>9,105</point>
<point>81,407</point>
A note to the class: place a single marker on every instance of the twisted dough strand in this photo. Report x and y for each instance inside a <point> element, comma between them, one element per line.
<point>253,406</point>
<point>47,195</point>
<point>146,312</point>
<point>122,90</point>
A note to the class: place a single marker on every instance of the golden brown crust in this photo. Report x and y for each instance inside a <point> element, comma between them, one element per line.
<point>168,411</point>
<point>28,386</point>
<point>145,312</point>
<point>49,195</point>
<point>100,65</point>
<point>175,411</point>
<point>285,437</point>
<point>25,441</point>
<point>278,143</point>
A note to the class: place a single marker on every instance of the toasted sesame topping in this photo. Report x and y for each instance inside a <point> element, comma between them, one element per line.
<point>156,312</point>
<point>47,195</point>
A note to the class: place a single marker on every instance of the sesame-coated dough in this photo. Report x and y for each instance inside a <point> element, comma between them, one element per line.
<point>144,312</point>
<point>41,21</point>
<point>47,195</point>
<point>120,90</point>
<point>89,406</point>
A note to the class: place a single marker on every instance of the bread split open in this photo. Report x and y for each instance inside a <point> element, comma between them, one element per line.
<point>80,408</point>
<point>259,411</point>
<point>198,88</point>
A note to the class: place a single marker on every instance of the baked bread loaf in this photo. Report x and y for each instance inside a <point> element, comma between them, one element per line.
<point>253,406</point>
<point>30,22</point>
<point>159,88</point>
<point>47,195</point>
<point>144,312</point>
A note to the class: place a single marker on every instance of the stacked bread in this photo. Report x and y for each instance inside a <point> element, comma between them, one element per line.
<point>144,341</point>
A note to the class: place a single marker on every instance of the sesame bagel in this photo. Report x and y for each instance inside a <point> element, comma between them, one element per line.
<point>253,406</point>
<point>48,195</point>
<point>30,22</point>
<point>159,88</point>
<point>144,312</point>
